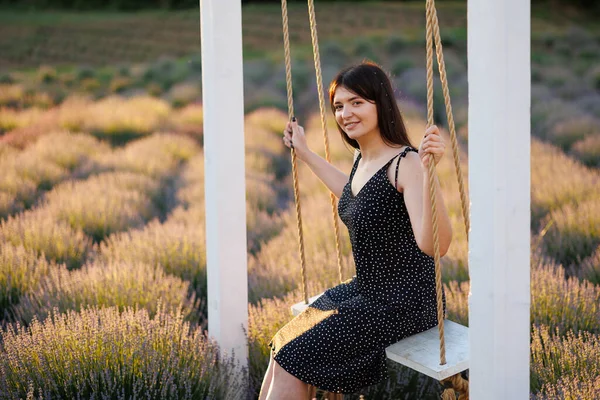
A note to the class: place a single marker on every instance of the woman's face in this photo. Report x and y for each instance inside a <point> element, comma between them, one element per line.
<point>355,115</point>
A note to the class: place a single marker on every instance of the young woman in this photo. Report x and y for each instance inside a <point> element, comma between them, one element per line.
<point>338,344</point>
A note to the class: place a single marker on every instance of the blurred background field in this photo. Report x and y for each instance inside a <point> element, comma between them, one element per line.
<point>102,193</point>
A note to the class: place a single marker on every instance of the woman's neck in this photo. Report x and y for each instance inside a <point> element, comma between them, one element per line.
<point>373,148</point>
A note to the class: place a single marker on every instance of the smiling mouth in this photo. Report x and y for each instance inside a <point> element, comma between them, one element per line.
<point>351,125</point>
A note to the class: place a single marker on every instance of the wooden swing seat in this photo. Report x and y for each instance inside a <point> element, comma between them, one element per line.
<point>421,352</point>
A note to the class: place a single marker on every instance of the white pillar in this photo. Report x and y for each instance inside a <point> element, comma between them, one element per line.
<point>499,183</point>
<point>225,189</point>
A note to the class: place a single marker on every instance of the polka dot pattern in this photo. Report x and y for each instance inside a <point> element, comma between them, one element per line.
<point>391,297</point>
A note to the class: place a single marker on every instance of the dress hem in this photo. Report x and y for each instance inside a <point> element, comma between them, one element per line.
<point>325,387</point>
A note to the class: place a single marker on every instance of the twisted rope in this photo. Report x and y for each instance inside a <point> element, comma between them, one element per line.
<point>459,384</point>
<point>450,116</point>
<point>288,79</point>
<point>456,382</point>
<point>432,187</point>
<point>319,77</point>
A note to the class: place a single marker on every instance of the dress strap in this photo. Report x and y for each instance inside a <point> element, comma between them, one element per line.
<point>402,155</point>
<point>358,157</point>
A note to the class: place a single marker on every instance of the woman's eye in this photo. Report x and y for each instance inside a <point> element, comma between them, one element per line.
<point>357,103</point>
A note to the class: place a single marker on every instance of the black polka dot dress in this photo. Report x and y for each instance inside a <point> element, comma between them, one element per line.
<point>338,343</point>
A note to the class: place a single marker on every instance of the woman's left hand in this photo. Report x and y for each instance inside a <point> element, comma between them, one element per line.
<point>432,144</point>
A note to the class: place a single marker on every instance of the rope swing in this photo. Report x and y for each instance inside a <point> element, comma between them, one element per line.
<point>319,78</point>
<point>453,384</point>
<point>432,32</point>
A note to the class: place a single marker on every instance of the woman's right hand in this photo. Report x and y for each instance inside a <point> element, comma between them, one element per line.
<point>293,136</point>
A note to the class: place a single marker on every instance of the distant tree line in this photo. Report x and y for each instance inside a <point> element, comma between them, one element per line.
<point>131,5</point>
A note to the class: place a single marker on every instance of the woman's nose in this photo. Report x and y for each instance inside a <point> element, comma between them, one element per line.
<point>346,112</point>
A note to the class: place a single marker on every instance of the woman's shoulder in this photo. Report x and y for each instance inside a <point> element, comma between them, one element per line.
<point>410,149</point>
<point>410,172</point>
<point>411,156</point>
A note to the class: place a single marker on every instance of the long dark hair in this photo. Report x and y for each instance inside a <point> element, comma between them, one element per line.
<point>371,83</point>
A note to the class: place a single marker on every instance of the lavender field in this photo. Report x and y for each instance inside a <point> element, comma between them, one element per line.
<point>102,243</point>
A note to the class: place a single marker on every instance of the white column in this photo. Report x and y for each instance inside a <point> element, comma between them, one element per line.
<point>225,189</point>
<point>499,182</point>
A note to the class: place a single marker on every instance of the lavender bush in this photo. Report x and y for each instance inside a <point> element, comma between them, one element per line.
<point>106,353</point>
<point>20,272</point>
<point>573,231</point>
<point>589,269</point>
<point>564,366</point>
<point>107,284</point>
<point>103,204</point>
<point>558,180</point>
<point>588,150</point>
<point>40,233</point>
<point>561,303</point>
<point>178,247</point>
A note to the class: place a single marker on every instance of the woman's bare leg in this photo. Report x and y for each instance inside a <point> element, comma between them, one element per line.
<point>286,386</point>
<point>266,385</point>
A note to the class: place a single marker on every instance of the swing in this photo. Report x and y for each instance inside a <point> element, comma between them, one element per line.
<point>420,351</point>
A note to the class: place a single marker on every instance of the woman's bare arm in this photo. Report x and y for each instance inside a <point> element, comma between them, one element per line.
<point>415,181</point>
<point>332,177</point>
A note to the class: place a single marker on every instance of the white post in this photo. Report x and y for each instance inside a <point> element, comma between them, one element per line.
<point>225,188</point>
<point>499,183</point>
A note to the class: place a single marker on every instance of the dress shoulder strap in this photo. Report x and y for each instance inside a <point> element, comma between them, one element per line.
<point>358,157</point>
<point>402,155</point>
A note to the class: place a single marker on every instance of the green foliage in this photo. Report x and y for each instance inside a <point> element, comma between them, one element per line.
<point>594,77</point>
<point>265,99</point>
<point>119,84</point>
<point>6,78</point>
<point>47,74</point>
<point>363,48</point>
<point>333,53</point>
<point>413,84</point>
<point>259,72</point>
<point>85,73</point>
<point>395,44</point>
<point>401,64</point>
<point>165,72</point>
